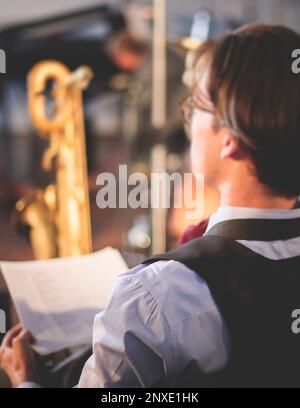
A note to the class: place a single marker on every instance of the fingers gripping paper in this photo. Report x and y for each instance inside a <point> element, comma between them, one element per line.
<point>57,299</point>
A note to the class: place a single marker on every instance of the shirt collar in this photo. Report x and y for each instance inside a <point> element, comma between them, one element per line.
<point>225,213</point>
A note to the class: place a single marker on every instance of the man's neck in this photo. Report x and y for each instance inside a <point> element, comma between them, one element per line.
<point>255,196</point>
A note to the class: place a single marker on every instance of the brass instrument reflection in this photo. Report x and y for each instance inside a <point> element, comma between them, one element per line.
<point>58,217</point>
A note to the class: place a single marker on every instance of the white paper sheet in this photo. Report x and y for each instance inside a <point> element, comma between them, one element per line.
<point>57,299</point>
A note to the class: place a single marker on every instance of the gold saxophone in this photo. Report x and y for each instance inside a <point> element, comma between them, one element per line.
<point>58,217</point>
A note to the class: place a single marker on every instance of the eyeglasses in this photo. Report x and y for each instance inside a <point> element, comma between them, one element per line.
<point>191,104</point>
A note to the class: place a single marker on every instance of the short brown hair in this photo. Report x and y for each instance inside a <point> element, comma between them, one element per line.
<point>257,96</point>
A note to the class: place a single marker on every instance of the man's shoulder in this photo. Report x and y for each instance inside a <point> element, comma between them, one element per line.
<point>169,273</point>
<point>179,291</point>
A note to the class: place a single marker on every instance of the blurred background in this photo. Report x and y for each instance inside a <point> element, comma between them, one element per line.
<point>115,39</point>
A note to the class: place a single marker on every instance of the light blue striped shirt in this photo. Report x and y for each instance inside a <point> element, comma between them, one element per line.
<point>162,317</point>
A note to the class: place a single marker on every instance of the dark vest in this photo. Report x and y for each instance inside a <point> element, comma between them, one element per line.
<point>256,297</point>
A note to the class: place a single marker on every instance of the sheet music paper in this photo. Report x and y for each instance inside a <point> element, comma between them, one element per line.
<point>57,299</point>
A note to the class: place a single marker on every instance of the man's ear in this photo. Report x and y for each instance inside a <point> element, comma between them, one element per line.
<point>229,144</point>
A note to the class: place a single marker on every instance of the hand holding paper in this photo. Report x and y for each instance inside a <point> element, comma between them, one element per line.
<point>57,299</point>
